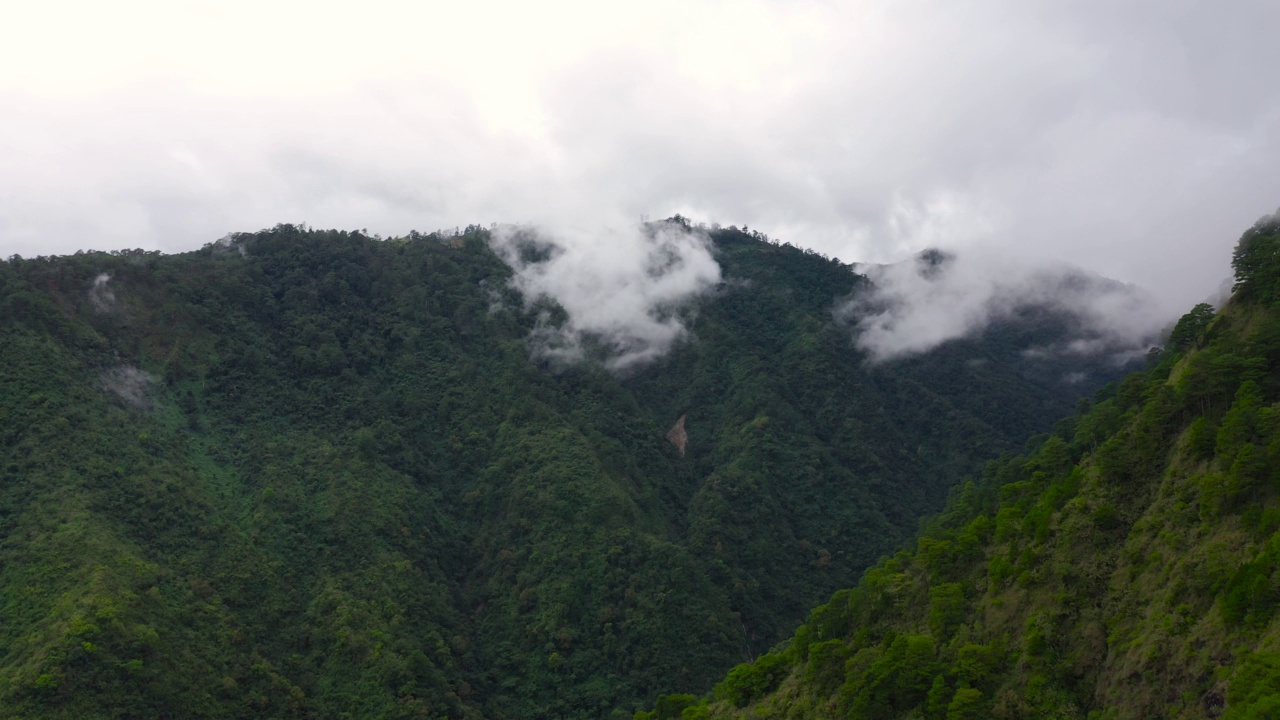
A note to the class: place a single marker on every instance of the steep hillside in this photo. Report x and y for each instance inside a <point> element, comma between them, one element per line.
<point>1127,567</point>
<point>315,474</point>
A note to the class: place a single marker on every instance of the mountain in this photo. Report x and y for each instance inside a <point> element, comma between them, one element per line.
<point>1127,566</point>
<point>315,474</point>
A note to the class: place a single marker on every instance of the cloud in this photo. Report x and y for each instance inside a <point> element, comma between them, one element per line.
<point>131,386</point>
<point>1130,139</point>
<point>101,297</point>
<point>916,305</point>
<point>621,289</point>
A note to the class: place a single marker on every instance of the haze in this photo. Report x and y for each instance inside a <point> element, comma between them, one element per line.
<point>1133,139</point>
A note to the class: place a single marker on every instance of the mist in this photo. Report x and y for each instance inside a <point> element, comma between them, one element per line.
<point>919,304</point>
<point>101,298</point>
<point>621,288</point>
<point>130,385</point>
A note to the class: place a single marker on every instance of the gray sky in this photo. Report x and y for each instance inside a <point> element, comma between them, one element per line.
<point>1134,139</point>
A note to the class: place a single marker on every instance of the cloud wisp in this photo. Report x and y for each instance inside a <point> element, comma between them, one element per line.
<point>919,304</point>
<point>101,297</point>
<point>621,290</point>
<point>129,385</point>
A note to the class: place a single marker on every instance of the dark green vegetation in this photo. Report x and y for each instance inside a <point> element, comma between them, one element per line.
<point>1126,567</point>
<point>322,478</point>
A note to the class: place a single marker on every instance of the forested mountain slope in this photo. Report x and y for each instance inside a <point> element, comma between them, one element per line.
<point>314,474</point>
<point>1127,567</point>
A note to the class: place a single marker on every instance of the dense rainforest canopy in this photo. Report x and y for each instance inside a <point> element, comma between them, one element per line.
<point>314,474</point>
<point>1127,566</point>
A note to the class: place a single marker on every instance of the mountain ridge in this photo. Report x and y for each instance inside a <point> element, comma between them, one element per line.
<point>313,474</point>
<point>1125,567</point>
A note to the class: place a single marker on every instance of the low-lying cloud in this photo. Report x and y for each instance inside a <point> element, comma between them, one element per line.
<point>101,297</point>
<point>621,290</point>
<point>918,304</point>
<point>130,385</point>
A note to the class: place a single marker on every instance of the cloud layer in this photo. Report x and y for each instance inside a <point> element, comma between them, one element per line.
<point>919,304</point>
<point>621,290</point>
<point>1132,138</point>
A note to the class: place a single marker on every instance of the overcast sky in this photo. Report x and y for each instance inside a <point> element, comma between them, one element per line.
<point>1135,139</point>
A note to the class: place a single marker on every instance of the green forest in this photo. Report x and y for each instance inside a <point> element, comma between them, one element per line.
<point>317,474</point>
<point>1126,566</point>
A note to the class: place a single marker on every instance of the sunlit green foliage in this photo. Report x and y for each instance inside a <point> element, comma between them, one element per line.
<point>1127,567</point>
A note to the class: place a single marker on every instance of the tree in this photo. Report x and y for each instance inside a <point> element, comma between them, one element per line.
<point>946,609</point>
<point>670,707</point>
<point>967,704</point>
<point>1190,327</point>
<point>1256,260</point>
<point>1240,425</point>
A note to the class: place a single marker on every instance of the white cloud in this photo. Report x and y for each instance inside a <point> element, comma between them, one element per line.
<point>622,288</point>
<point>916,305</point>
<point>101,297</point>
